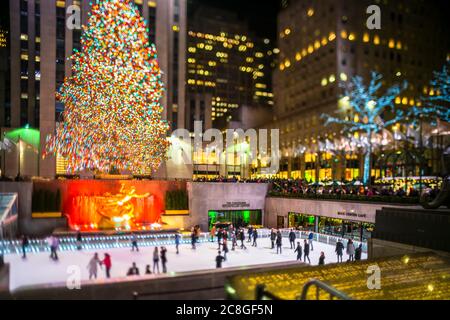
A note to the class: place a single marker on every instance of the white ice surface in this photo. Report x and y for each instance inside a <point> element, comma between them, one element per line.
<point>40,269</point>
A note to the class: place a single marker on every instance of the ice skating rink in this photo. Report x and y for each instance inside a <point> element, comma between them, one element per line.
<point>40,269</point>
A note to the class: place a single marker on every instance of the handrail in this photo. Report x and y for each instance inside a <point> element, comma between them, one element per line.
<point>262,294</point>
<point>333,292</point>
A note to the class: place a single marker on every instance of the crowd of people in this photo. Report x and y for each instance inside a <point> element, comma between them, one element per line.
<point>237,236</point>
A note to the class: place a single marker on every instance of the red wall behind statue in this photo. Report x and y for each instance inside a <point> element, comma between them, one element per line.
<point>70,189</point>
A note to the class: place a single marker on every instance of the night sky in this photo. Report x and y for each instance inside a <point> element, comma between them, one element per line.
<point>261,14</point>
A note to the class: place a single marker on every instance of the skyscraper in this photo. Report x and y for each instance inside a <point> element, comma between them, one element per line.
<point>322,45</point>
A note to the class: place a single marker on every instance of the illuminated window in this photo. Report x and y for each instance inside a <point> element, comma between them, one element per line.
<point>391,43</point>
<point>332,36</point>
<point>405,101</point>
<point>332,78</point>
<point>343,76</point>
<point>287,31</point>
<point>324,82</point>
<point>366,37</point>
<point>152,4</point>
<point>317,45</point>
<point>351,37</point>
<point>310,12</point>
<point>344,34</point>
<point>287,63</point>
<point>376,40</point>
<point>324,41</point>
<point>399,45</point>
<point>398,100</point>
<point>310,49</point>
<point>175,28</point>
<point>298,56</point>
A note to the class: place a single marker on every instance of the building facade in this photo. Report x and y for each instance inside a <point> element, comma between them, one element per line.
<point>40,44</point>
<point>227,67</point>
<point>323,44</point>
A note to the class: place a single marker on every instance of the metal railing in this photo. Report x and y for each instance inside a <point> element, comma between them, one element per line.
<point>319,285</point>
<point>262,294</point>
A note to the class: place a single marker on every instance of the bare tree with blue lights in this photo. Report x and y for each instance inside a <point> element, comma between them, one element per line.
<point>370,107</point>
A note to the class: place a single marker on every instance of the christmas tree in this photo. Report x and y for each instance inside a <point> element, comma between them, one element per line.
<point>112,117</point>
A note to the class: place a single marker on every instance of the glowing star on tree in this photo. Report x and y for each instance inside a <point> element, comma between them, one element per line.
<point>112,117</point>
<point>368,108</point>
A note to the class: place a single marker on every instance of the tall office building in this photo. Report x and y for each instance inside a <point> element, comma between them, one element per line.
<point>40,45</point>
<point>227,67</point>
<point>323,43</point>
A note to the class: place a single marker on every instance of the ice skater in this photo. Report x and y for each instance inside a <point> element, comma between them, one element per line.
<point>155,259</point>
<point>358,253</point>
<point>242,238</point>
<point>279,242</point>
<point>233,240</point>
<point>107,263</point>
<point>25,244</point>
<point>219,238</point>
<point>134,244</point>
<point>299,251</point>
<point>310,240</point>
<point>177,241</point>
<point>79,240</point>
<point>339,250</point>
<point>273,237</point>
<point>193,238</point>
<point>164,259</point>
<point>92,266</point>
<point>225,249</point>
<point>212,234</point>
<point>292,238</point>
<point>53,243</point>
<point>255,237</point>
<point>306,252</point>
<point>351,250</point>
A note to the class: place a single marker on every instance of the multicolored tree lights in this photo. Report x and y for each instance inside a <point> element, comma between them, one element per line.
<point>112,117</point>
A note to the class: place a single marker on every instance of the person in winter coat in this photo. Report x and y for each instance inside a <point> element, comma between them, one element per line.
<point>164,259</point>
<point>242,238</point>
<point>177,241</point>
<point>193,238</point>
<point>306,252</point>
<point>255,237</point>
<point>250,232</point>
<point>25,244</point>
<point>225,249</point>
<point>219,237</point>
<point>92,266</point>
<point>133,271</point>
<point>233,240</point>
<point>292,238</point>
<point>339,250</point>
<point>299,251</point>
<point>107,263</point>
<point>155,259</point>
<point>358,253</point>
<point>134,244</point>
<point>212,234</point>
<point>79,240</point>
<point>279,242</point>
<point>273,237</point>
<point>351,250</point>
<point>322,259</point>
<point>310,240</point>
<point>219,260</point>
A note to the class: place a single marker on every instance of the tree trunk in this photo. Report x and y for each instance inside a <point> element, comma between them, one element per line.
<point>367,160</point>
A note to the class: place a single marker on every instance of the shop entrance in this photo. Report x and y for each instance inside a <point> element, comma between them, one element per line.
<point>346,228</point>
<point>301,221</point>
<point>238,218</point>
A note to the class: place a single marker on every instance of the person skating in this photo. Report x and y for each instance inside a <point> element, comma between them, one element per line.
<point>292,238</point>
<point>339,250</point>
<point>273,237</point>
<point>107,263</point>
<point>242,238</point>
<point>177,241</point>
<point>193,238</point>
<point>212,234</point>
<point>92,266</point>
<point>25,244</point>
<point>310,240</point>
<point>164,259</point>
<point>134,244</point>
<point>219,260</point>
<point>299,251</point>
<point>306,252</point>
<point>219,238</point>
<point>279,242</point>
<point>358,253</point>
<point>255,238</point>
<point>155,259</point>
<point>250,232</point>
<point>322,259</point>
<point>53,243</point>
<point>225,249</point>
<point>233,240</point>
<point>79,240</point>
<point>133,271</point>
<point>351,250</point>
